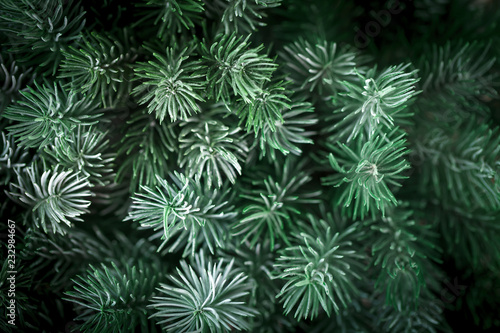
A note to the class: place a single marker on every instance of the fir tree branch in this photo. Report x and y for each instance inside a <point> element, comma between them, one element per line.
<point>145,150</point>
<point>403,250</point>
<point>101,67</point>
<point>290,134</point>
<point>53,196</point>
<point>243,16</point>
<point>265,109</point>
<point>12,159</point>
<point>47,113</point>
<point>461,164</point>
<point>40,29</point>
<point>110,298</point>
<point>204,297</point>
<point>85,151</point>
<point>457,76</point>
<point>170,84</point>
<point>170,16</point>
<point>322,66</point>
<point>56,258</point>
<point>257,263</point>
<point>210,149</point>
<point>12,79</point>
<point>470,236</point>
<point>273,200</point>
<point>429,317</point>
<point>235,69</point>
<point>315,277</point>
<point>185,211</point>
<point>374,104</point>
<point>365,172</point>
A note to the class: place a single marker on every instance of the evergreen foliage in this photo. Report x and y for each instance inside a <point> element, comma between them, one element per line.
<point>257,263</point>
<point>402,250</point>
<point>46,251</point>
<point>100,68</point>
<point>469,238</point>
<point>271,202</point>
<point>12,78</point>
<point>105,297</point>
<point>323,65</point>
<point>187,210</point>
<point>289,134</point>
<point>54,196</point>
<point>210,149</point>
<point>39,30</point>
<point>47,113</point>
<point>104,292</point>
<point>365,172</point>
<point>320,271</point>
<point>467,160</point>
<point>265,109</point>
<point>12,158</point>
<point>458,76</point>
<point>428,318</point>
<point>250,165</point>
<point>204,297</point>
<point>234,69</point>
<point>170,85</point>
<point>171,15</point>
<point>85,151</point>
<point>375,102</point>
<point>240,15</point>
<point>145,149</point>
